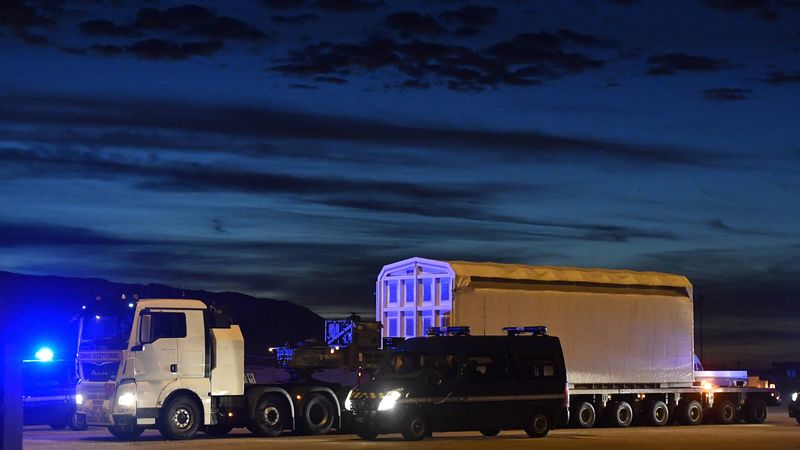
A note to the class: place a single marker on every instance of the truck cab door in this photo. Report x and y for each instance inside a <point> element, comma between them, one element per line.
<point>156,357</point>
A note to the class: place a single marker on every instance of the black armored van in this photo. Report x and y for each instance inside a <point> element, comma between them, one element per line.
<point>451,381</point>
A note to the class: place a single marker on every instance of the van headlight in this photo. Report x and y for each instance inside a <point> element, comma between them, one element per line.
<point>389,401</point>
<point>348,404</point>
<point>794,397</point>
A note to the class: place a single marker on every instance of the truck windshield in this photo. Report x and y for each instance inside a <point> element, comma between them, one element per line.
<point>105,332</point>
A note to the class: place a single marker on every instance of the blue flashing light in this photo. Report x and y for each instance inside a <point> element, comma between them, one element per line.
<point>130,305</point>
<point>83,307</point>
<point>535,330</point>
<point>97,317</point>
<point>44,354</point>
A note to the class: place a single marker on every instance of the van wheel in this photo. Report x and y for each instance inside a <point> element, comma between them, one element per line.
<point>126,433</point>
<point>220,429</point>
<point>57,425</point>
<point>269,417</point>
<point>621,414</point>
<point>724,412</point>
<point>584,415</point>
<point>318,415</point>
<point>366,433</point>
<point>690,412</point>
<point>538,425</point>
<point>415,427</point>
<point>491,432</point>
<point>180,419</point>
<point>76,422</point>
<point>755,411</point>
<point>657,413</point>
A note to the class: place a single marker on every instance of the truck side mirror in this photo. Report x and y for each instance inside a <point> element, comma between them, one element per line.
<point>145,331</point>
<point>137,348</point>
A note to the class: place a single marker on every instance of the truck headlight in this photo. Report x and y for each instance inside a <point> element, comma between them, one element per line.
<point>348,404</point>
<point>78,399</point>
<point>389,401</point>
<point>794,397</point>
<point>127,399</point>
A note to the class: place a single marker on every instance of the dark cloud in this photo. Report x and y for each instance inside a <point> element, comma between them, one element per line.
<point>719,225</point>
<point>17,14</point>
<point>162,49</point>
<point>527,59</point>
<point>726,94</point>
<point>17,234</point>
<point>100,27</point>
<point>471,16</point>
<point>247,122</point>
<point>333,80</point>
<point>285,4</point>
<point>327,5</point>
<point>763,7</point>
<point>672,63</point>
<point>197,21</point>
<point>299,19</point>
<point>413,23</point>
<point>780,78</point>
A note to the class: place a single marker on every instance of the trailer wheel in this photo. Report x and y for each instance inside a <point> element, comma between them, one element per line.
<point>491,432</point>
<point>270,416</point>
<point>180,419</point>
<point>755,411</point>
<point>584,415</point>
<point>621,414</point>
<point>724,412</point>
<point>657,413</point>
<point>690,412</point>
<point>415,426</point>
<point>538,425</point>
<point>126,433</point>
<point>317,415</point>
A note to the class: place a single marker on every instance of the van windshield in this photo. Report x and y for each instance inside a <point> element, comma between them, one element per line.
<point>439,368</point>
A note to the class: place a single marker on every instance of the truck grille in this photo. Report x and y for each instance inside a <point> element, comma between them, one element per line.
<point>100,371</point>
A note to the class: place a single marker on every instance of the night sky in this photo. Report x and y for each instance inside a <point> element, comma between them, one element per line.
<point>290,148</point>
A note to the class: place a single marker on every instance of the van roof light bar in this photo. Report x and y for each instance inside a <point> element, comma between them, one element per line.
<point>534,330</point>
<point>444,331</point>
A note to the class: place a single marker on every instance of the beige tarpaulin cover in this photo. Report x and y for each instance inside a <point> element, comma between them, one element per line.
<point>466,270</point>
<point>615,326</point>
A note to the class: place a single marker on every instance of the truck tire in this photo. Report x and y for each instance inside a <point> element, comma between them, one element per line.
<point>755,411</point>
<point>270,416</point>
<point>657,413</point>
<point>415,426</point>
<point>584,415</point>
<point>317,415</point>
<point>491,432</point>
<point>724,412</point>
<point>538,425</point>
<point>620,414</point>
<point>126,433</point>
<point>690,412</point>
<point>180,419</point>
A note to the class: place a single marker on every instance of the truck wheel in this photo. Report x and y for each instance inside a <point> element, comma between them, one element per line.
<point>690,412</point>
<point>621,414</point>
<point>657,413</point>
<point>317,415</point>
<point>366,433</point>
<point>755,411</point>
<point>538,425</point>
<point>584,415</point>
<point>76,422</point>
<point>491,432</point>
<point>415,427</point>
<point>724,412</point>
<point>180,419</point>
<point>126,433</point>
<point>220,429</point>
<point>270,416</point>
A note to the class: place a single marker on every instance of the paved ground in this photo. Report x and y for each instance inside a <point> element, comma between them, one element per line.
<point>779,432</point>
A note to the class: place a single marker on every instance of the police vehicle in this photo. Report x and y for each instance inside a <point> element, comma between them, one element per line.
<point>48,388</point>
<point>451,381</point>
